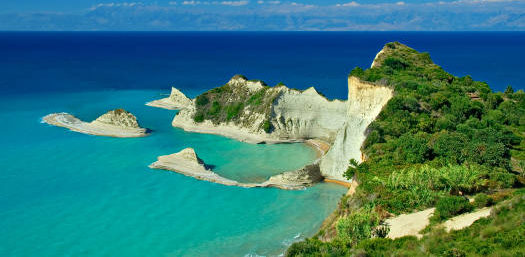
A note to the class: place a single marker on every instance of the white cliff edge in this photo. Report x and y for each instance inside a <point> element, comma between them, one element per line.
<point>187,162</point>
<point>365,101</point>
<point>176,101</point>
<point>115,123</point>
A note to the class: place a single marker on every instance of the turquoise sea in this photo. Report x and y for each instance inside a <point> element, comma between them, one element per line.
<point>64,193</point>
<point>68,194</point>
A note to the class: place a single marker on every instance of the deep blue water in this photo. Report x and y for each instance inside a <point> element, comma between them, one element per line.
<point>46,61</point>
<point>67,194</point>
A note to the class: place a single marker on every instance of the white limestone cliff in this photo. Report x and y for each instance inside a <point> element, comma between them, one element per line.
<point>295,116</point>
<point>176,101</point>
<point>365,101</point>
<point>306,114</point>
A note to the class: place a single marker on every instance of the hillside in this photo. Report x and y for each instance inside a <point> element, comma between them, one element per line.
<point>438,139</point>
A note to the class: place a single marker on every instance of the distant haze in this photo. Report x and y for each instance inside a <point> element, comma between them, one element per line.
<point>256,15</point>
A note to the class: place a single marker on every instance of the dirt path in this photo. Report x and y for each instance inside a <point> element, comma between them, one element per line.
<point>466,219</point>
<point>409,224</point>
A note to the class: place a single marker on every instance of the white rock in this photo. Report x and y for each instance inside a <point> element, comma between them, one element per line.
<point>365,101</point>
<point>176,101</point>
<point>115,123</point>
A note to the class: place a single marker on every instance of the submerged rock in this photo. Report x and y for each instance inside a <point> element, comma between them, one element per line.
<point>115,123</point>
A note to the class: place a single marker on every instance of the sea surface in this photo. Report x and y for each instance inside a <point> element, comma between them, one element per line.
<point>64,193</point>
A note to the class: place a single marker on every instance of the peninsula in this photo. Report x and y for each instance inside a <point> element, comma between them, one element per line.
<point>115,123</point>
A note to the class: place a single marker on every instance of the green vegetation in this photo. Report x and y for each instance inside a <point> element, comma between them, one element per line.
<point>450,206</point>
<point>440,137</point>
<point>228,102</point>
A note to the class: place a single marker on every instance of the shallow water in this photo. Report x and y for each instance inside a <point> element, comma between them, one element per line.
<point>64,193</point>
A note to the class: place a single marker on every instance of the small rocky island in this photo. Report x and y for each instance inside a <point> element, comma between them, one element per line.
<point>115,123</point>
<point>187,162</point>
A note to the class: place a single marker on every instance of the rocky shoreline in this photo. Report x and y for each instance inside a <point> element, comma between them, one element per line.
<point>186,162</point>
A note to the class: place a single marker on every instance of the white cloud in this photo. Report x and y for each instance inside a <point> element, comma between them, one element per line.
<point>123,4</point>
<point>191,2</point>
<point>350,4</point>
<point>400,3</point>
<point>230,3</point>
<point>235,3</point>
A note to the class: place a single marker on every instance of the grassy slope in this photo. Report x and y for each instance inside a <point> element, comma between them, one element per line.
<point>438,138</point>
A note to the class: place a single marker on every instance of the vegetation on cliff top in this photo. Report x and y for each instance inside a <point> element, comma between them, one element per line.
<point>227,103</point>
<point>440,137</point>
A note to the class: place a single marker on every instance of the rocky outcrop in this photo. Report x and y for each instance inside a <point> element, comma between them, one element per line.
<point>176,101</point>
<point>365,101</point>
<point>292,115</point>
<point>187,162</point>
<point>304,177</point>
<point>115,123</point>
<point>118,117</point>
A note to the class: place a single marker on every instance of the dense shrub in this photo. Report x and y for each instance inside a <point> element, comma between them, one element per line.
<point>357,226</point>
<point>482,200</point>
<point>267,126</point>
<point>450,206</point>
<point>202,100</point>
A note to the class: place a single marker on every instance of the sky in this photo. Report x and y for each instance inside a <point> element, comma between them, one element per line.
<point>263,15</point>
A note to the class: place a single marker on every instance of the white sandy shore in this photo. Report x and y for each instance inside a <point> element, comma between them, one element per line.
<point>69,121</point>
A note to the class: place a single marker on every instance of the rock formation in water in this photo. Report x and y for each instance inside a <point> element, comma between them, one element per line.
<point>187,162</point>
<point>176,101</point>
<point>115,123</point>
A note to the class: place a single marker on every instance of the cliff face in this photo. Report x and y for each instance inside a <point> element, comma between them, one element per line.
<point>307,114</point>
<point>365,101</point>
<point>264,114</point>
